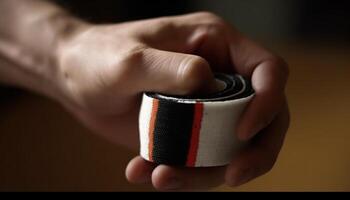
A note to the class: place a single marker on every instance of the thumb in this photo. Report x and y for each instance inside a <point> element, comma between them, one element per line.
<point>175,73</point>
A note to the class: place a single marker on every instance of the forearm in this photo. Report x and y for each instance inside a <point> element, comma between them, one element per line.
<point>30,34</point>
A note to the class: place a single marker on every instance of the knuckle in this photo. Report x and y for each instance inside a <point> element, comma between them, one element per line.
<point>212,20</point>
<point>127,63</point>
<point>280,64</point>
<point>208,15</point>
<point>214,25</point>
<point>133,55</point>
<point>163,25</point>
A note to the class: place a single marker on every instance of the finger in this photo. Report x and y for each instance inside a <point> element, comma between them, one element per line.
<point>175,73</point>
<point>261,155</point>
<point>268,82</point>
<point>207,37</point>
<point>139,171</point>
<point>269,75</point>
<point>201,33</point>
<point>167,178</point>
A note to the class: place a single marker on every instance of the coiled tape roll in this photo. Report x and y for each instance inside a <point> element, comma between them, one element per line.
<point>194,131</point>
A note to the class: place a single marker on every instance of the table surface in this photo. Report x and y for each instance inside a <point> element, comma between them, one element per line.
<point>43,148</point>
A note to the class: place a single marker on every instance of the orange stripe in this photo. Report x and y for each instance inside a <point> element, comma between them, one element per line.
<point>155,105</point>
<point>196,128</point>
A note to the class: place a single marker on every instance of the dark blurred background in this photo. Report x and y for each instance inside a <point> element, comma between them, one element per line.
<point>44,148</point>
<point>269,19</point>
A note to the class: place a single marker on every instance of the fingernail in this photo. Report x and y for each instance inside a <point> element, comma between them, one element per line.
<point>173,184</point>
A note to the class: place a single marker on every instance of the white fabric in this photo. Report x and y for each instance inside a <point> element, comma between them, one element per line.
<point>218,142</point>
<point>144,119</point>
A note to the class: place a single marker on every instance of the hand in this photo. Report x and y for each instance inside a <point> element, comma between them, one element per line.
<point>105,69</point>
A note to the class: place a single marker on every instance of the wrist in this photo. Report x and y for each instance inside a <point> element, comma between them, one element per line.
<point>67,29</point>
<point>30,38</point>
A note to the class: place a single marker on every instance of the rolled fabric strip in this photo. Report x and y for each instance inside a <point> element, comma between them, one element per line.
<point>194,131</point>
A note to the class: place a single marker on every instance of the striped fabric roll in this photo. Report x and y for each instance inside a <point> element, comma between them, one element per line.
<point>194,131</point>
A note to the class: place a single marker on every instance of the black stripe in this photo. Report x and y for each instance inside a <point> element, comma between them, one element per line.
<point>234,84</point>
<point>172,133</point>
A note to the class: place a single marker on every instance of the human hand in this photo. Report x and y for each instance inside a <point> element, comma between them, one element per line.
<point>104,70</point>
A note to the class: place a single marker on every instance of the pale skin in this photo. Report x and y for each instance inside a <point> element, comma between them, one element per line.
<point>98,73</point>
